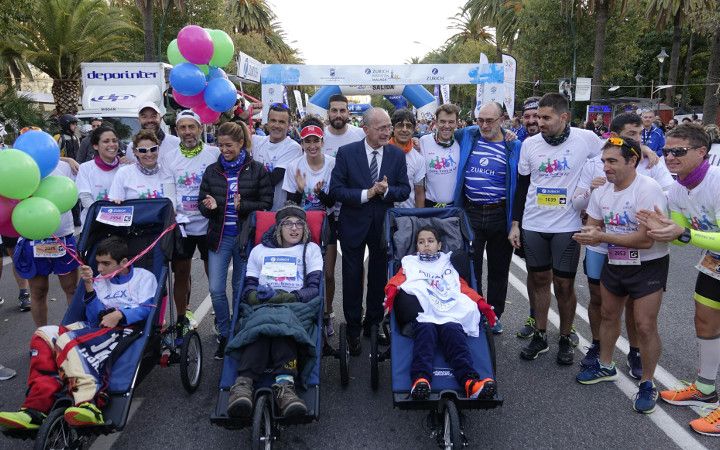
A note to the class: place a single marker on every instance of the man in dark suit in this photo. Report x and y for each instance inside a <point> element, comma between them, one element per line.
<point>369,176</point>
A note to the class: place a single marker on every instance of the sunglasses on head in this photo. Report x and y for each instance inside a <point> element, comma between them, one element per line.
<point>620,142</point>
<point>143,150</point>
<point>279,107</point>
<point>676,151</point>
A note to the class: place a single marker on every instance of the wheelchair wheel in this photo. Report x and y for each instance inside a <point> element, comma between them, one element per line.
<point>191,361</point>
<point>374,357</point>
<point>451,433</point>
<point>343,355</point>
<point>262,428</point>
<point>55,433</point>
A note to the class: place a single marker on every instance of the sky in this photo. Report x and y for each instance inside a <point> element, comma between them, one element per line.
<point>365,31</point>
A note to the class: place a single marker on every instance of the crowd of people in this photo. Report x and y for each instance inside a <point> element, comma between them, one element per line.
<point>541,189</point>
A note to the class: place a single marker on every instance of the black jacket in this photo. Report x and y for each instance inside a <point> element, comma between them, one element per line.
<point>256,194</point>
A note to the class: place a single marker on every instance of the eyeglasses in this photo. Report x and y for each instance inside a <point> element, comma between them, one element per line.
<point>482,121</point>
<point>279,107</point>
<point>677,152</point>
<point>144,150</point>
<point>290,225</point>
<point>403,125</point>
<point>620,142</point>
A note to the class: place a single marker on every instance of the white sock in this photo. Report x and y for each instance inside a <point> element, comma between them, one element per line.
<point>709,360</point>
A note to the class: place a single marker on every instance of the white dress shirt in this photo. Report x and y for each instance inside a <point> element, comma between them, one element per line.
<point>369,153</point>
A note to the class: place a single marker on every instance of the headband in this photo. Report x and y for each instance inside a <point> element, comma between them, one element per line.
<point>531,104</point>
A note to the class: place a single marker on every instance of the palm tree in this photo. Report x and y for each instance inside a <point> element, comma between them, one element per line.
<point>63,34</point>
<point>499,14</point>
<point>712,88</point>
<point>601,9</point>
<point>12,64</point>
<point>252,15</point>
<point>469,29</point>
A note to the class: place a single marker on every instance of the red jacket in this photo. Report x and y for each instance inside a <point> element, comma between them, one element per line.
<point>394,283</point>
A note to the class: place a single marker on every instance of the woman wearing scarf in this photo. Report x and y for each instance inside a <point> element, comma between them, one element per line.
<point>230,190</point>
<point>95,177</point>
<point>403,122</point>
<point>145,178</point>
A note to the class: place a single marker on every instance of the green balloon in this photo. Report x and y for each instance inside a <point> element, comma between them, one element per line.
<point>36,218</point>
<point>223,48</point>
<point>174,55</point>
<point>61,191</point>
<point>204,68</point>
<point>19,174</point>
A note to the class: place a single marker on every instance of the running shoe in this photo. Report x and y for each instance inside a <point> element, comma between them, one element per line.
<point>537,345</point>
<point>480,388</point>
<point>191,319</point>
<point>591,356</point>
<point>527,330</point>
<point>2,300</point>
<point>646,398</point>
<point>708,425</point>
<point>84,415</point>
<point>497,328</point>
<point>24,419</point>
<point>328,326</point>
<point>634,364</point>
<point>690,396</point>
<point>596,374</point>
<point>24,300</point>
<point>566,351</point>
<point>574,339</point>
<point>6,373</point>
<point>420,389</point>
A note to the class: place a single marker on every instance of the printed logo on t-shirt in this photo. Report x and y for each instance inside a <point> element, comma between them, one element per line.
<point>555,168</point>
<point>442,165</point>
<point>703,223</point>
<point>102,195</point>
<point>189,179</point>
<point>150,194</point>
<point>620,219</point>
<point>312,201</point>
<point>439,289</point>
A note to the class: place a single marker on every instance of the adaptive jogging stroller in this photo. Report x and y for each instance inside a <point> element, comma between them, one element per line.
<point>265,420</point>
<point>401,226</point>
<point>148,226</point>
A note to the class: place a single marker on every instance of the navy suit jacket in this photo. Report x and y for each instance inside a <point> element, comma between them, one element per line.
<point>351,175</point>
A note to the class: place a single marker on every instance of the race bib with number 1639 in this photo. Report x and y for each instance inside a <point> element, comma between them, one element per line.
<point>551,197</point>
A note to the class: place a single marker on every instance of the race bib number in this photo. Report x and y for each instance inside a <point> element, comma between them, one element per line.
<point>710,265</point>
<point>119,216</point>
<point>189,203</point>
<point>279,267</point>
<point>48,248</point>
<point>551,197</point>
<point>623,256</point>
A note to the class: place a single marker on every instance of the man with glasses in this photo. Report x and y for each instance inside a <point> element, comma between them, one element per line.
<point>404,122</point>
<point>441,153</point>
<point>549,168</point>
<point>694,203</point>
<point>276,150</point>
<point>486,183</point>
<point>368,178</point>
<point>636,267</point>
<point>652,136</point>
<point>339,131</point>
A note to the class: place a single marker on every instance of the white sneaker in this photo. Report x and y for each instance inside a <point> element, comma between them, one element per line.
<point>5,373</point>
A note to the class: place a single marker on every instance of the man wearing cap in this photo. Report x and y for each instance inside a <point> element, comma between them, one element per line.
<point>529,119</point>
<point>150,118</point>
<point>276,150</point>
<point>186,163</point>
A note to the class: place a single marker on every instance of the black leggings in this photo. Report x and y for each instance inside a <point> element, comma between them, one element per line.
<point>279,354</point>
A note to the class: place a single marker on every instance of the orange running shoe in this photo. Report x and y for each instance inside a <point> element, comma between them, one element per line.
<point>690,396</point>
<point>420,389</point>
<point>708,425</point>
<point>475,388</point>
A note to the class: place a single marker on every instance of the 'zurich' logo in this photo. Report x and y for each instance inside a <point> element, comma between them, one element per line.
<point>484,162</point>
<point>434,71</point>
<point>367,71</point>
<point>332,72</point>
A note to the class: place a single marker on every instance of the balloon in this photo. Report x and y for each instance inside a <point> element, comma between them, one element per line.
<point>6,207</point>
<point>205,69</point>
<point>19,174</point>
<point>224,49</point>
<point>216,72</point>
<point>206,114</point>
<point>187,79</point>
<point>36,218</point>
<point>42,148</point>
<point>61,191</point>
<point>174,55</point>
<point>220,95</point>
<point>8,230</point>
<point>189,101</point>
<point>195,44</point>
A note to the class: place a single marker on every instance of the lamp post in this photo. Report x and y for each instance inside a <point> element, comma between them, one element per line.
<point>657,89</point>
<point>662,56</point>
<point>638,77</point>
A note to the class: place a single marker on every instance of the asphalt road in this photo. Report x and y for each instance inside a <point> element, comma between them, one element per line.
<point>544,407</point>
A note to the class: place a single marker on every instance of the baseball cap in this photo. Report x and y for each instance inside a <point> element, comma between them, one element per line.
<point>187,114</point>
<point>150,105</point>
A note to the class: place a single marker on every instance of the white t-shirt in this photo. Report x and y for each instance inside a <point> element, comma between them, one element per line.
<point>67,226</point>
<point>282,268</point>
<point>310,200</point>
<point>188,173</point>
<point>436,285</point>
<point>137,290</point>
<point>700,206</point>
<point>273,156</point>
<point>554,173</point>
<point>617,211</point>
<point>441,165</point>
<point>94,181</point>
<point>659,172</point>
<point>416,174</point>
<point>130,184</point>
<point>331,142</point>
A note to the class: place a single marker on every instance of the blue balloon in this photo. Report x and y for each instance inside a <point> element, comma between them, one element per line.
<point>216,72</point>
<point>42,148</point>
<point>220,95</point>
<point>187,79</point>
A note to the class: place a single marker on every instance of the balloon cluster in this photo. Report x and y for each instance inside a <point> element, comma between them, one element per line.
<point>197,80</point>
<point>31,200</point>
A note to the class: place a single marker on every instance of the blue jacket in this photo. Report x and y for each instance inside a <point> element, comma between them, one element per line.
<point>467,138</point>
<point>655,139</point>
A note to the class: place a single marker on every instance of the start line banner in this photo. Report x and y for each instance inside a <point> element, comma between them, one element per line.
<point>299,74</point>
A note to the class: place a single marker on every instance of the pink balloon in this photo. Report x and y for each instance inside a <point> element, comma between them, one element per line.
<point>195,44</point>
<point>6,207</point>
<point>189,101</point>
<point>206,114</point>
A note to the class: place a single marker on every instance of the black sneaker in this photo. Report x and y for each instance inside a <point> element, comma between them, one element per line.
<point>220,352</point>
<point>574,339</point>
<point>354,346</point>
<point>634,363</point>
<point>566,351</point>
<point>538,344</point>
<point>24,300</point>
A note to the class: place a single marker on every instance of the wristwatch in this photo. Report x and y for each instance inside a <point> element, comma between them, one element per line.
<point>685,236</point>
